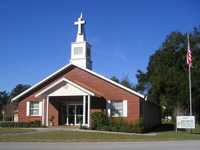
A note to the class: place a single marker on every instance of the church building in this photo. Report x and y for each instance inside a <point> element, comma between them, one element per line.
<point>74,92</point>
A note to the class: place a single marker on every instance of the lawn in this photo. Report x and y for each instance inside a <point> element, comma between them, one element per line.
<point>14,130</point>
<point>166,134</point>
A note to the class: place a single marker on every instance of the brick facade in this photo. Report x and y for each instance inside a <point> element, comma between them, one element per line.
<point>85,79</point>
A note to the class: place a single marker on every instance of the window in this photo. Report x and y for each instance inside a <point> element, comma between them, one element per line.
<point>78,50</point>
<point>34,109</point>
<point>117,108</point>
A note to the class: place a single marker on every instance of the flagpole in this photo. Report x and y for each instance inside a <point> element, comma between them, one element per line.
<point>190,84</point>
<point>190,92</point>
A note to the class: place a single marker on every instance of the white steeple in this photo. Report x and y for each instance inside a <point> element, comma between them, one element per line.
<point>81,50</point>
<point>81,31</point>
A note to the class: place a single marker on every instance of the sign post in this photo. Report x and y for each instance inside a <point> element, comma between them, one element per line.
<point>185,122</point>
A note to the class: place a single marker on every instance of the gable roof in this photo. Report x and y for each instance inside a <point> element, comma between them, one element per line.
<point>67,81</point>
<point>85,69</point>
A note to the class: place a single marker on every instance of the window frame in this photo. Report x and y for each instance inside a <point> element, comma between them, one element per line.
<point>31,103</point>
<point>111,108</point>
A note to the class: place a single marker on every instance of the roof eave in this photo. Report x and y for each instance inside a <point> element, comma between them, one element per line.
<point>90,71</point>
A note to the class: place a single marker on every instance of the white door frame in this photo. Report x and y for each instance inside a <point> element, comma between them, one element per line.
<point>75,115</point>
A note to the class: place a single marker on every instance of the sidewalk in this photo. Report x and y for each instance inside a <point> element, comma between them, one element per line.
<point>43,130</point>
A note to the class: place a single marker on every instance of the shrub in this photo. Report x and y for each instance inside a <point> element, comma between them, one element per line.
<point>99,119</point>
<point>101,122</point>
<point>112,122</point>
<point>31,124</point>
<point>18,124</point>
<point>35,123</point>
<point>138,126</point>
<point>106,128</point>
<point>83,127</point>
<point>52,118</point>
<point>115,129</point>
<point>26,124</point>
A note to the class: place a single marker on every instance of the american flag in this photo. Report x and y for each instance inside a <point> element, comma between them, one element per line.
<point>189,55</point>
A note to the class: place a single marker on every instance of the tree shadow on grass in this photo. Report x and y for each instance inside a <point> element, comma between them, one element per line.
<point>164,127</point>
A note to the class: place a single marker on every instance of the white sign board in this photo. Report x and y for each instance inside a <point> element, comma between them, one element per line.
<point>2,112</point>
<point>185,122</point>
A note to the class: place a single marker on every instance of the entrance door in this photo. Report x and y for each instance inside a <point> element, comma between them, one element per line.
<point>75,114</point>
<point>79,114</point>
<point>71,114</point>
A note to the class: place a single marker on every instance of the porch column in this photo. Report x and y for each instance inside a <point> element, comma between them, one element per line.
<point>67,106</point>
<point>47,119</point>
<point>43,109</point>
<point>88,111</point>
<point>84,110</point>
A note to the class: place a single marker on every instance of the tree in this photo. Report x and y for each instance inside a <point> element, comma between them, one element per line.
<point>9,110</point>
<point>143,84</point>
<point>114,78</point>
<point>4,97</point>
<point>124,81</point>
<point>18,90</point>
<point>166,79</point>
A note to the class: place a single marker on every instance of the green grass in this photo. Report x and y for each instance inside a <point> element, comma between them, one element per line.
<point>166,133</point>
<point>14,130</point>
<point>71,136</point>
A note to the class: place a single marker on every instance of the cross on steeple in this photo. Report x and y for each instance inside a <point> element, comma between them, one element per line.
<point>79,23</point>
<point>81,49</point>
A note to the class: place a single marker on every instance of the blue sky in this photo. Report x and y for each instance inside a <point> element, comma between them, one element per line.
<point>36,35</point>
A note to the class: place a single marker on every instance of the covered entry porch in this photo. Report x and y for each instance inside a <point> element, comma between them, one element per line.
<point>72,110</point>
<point>68,102</point>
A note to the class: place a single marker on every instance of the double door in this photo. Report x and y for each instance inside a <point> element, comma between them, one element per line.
<point>75,114</point>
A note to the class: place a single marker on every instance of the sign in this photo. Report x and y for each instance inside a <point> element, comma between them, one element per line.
<point>185,122</point>
<point>3,112</point>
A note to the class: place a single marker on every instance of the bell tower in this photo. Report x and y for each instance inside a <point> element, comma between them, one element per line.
<point>81,50</point>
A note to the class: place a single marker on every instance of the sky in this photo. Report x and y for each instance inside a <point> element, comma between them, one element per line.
<point>36,35</point>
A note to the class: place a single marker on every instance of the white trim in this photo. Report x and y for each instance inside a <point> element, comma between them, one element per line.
<point>43,110</point>
<point>125,108</point>
<point>47,118</point>
<point>78,94</point>
<point>29,89</point>
<point>88,111</point>
<point>108,110</point>
<point>40,108</point>
<point>113,82</point>
<point>30,109</point>
<point>70,82</point>
<point>27,108</point>
<point>67,123</point>
<point>75,114</point>
<point>84,112</point>
<point>87,70</point>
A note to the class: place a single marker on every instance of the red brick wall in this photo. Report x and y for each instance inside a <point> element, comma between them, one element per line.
<point>107,90</point>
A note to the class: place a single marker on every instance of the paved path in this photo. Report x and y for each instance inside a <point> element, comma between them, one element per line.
<point>175,145</point>
<point>42,130</point>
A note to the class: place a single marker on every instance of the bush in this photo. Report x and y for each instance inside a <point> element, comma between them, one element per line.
<point>138,126</point>
<point>26,124</point>
<point>101,122</point>
<point>83,127</point>
<point>106,128</point>
<point>115,129</point>
<point>99,119</point>
<point>35,123</point>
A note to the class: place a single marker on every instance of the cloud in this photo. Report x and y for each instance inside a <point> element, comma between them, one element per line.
<point>95,41</point>
<point>120,55</point>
